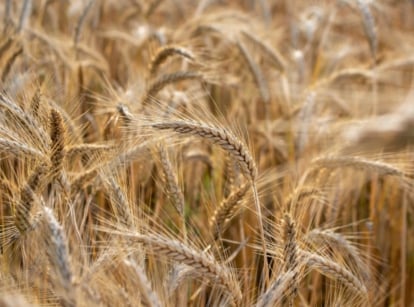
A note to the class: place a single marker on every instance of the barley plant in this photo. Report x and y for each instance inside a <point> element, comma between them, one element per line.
<point>206,153</point>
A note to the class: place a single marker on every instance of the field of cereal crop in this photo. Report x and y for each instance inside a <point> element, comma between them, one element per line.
<point>206,153</point>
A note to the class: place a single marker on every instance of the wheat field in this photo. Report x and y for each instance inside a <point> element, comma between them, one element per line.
<point>207,153</point>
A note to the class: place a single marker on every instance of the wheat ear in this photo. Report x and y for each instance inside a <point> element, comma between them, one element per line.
<point>174,190</point>
<point>35,103</point>
<point>19,149</point>
<point>299,194</point>
<point>27,199</point>
<point>58,253</point>
<point>166,79</point>
<point>340,244</point>
<point>163,53</point>
<point>358,163</point>
<point>333,270</point>
<point>256,72</point>
<point>290,254</point>
<point>79,182</point>
<point>81,21</point>
<point>369,27</point>
<point>182,253</point>
<point>178,274</point>
<point>272,54</point>
<point>121,203</point>
<point>152,7</point>
<point>82,150</point>
<point>278,289</point>
<point>236,149</point>
<point>57,136</point>
<point>144,285</point>
<point>231,173</point>
<point>219,136</point>
<point>26,121</point>
<point>226,210</point>
<point>10,61</point>
<point>5,46</point>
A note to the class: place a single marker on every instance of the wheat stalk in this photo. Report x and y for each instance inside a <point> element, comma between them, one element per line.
<point>24,15</point>
<point>7,14</point>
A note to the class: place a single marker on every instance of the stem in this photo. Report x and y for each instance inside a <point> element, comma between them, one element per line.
<point>262,237</point>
